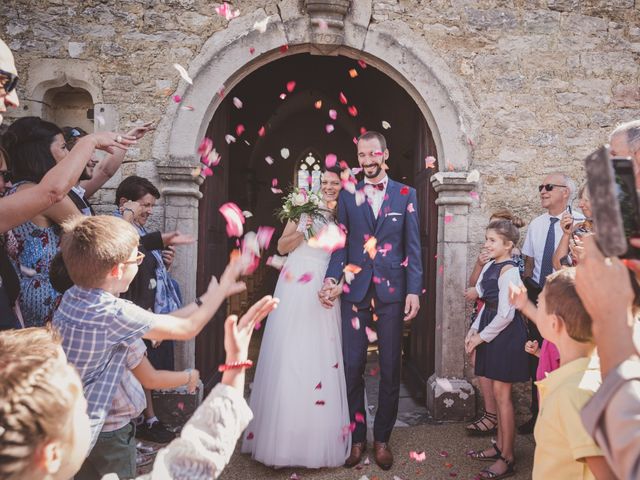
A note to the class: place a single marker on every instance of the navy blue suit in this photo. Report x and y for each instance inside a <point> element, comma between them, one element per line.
<point>386,280</point>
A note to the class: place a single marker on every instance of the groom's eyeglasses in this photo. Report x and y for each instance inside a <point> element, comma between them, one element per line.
<point>549,186</point>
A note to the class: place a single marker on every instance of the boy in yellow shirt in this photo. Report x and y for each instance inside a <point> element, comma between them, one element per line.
<point>564,449</point>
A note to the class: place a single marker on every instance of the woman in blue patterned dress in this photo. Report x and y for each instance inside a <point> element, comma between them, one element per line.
<point>34,147</point>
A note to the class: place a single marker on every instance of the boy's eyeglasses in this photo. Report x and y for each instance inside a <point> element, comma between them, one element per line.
<point>6,175</point>
<point>10,82</point>
<point>549,186</point>
<point>138,260</point>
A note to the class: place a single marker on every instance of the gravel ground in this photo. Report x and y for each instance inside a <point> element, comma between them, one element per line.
<point>435,440</point>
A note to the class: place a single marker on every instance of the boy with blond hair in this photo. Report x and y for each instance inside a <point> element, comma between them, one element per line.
<point>564,449</point>
<point>100,332</point>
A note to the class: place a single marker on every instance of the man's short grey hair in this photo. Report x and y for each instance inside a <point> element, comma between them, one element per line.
<point>568,181</point>
<point>632,132</point>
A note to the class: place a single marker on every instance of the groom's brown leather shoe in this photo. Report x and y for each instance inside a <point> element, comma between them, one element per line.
<point>357,450</point>
<point>383,455</point>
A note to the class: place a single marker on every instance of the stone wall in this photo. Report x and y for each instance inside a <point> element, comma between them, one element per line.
<point>547,79</point>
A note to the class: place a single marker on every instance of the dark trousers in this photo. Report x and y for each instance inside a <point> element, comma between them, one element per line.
<point>533,292</point>
<point>354,348</point>
<point>114,452</point>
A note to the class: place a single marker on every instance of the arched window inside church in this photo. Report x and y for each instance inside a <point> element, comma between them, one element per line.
<point>309,171</point>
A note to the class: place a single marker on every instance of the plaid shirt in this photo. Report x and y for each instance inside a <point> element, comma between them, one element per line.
<point>97,329</point>
<point>129,400</point>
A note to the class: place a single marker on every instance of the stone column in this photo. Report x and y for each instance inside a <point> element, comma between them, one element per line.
<point>181,194</point>
<point>449,395</point>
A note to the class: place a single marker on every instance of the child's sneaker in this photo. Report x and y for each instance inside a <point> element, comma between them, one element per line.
<point>156,432</point>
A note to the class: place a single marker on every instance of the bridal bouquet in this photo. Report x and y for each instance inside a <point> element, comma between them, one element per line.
<point>299,205</point>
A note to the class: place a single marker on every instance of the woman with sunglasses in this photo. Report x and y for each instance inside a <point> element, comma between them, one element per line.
<point>54,185</point>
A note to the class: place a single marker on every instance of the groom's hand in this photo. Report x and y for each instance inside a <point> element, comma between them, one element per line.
<point>411,306</point>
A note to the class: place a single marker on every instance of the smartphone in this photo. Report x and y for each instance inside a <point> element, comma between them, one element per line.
<point>614,201</point>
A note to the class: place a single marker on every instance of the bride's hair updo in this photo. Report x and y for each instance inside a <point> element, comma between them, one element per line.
<point>334,169</point>
<point>506,229</point>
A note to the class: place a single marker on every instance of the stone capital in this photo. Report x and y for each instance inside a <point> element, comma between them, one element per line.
<point>453,188</point>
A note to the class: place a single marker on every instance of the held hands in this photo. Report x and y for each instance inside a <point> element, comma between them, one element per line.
<point>329,292</point>
<point>411,306</point>
<point>566,222</point>
<point>237,333</point>
<point>471,294</point>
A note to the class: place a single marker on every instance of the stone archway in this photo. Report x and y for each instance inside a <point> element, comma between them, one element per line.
<point>232,54</point>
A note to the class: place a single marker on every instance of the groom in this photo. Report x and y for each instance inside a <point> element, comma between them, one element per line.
<point>388,286</point>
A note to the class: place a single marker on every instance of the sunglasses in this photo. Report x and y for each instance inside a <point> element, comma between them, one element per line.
<point>6,175</point>
<point>10,82</point>
<point>139,258</point>
<point>549,186</point>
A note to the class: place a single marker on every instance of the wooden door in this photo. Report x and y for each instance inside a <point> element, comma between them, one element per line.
<point>213,250</point>
<point>419,353</point>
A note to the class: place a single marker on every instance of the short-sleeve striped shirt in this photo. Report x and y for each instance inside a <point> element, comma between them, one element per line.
<point>97,329</point>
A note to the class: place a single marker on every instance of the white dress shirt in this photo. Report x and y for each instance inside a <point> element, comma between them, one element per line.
<point>375,196</point>
<point>537,237</point>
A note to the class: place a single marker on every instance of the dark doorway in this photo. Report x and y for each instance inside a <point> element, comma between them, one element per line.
<point>277,115</point>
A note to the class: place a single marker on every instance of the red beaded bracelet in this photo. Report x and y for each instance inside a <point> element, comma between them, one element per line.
<point>230,366</point>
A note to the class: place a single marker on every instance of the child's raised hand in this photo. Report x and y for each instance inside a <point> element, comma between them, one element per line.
<point>518,295</point>
<point>531,347</point>
<point>471,294</point>
<point>237,333</point>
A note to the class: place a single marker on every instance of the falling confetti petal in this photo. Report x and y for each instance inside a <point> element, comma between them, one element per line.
<point>225,11</point>
<point>305,278</point>
<point>264,235</point>
<point>276,261</point>
<point>374,371</point>
<point>196,171</point>
<point>448,219</point>
<point>284,153</point>
<point>430,162</point>
<point>180,406</point>
<point>371,334</point>
<point>229,139</point>
<point>443,453</point>
<point>283,96</point>
<point>405,262</point>
<point>318,104</point>
<point>235,219</point>
<point>318,386</point>
<point>205,148</point>
<point>410,208</point>
<point>239,130</point>
<point>177,98</point>
<point>294,476</point>
<point>355,323</point>
<point>404,190</point>
<point>330,160</point>
<point>329,128</point>
<point>237,102</point>
<point>319,402</point>
<point>386,125</point>
<point>269,160</point>
<point>183,73</point>
<point>474,176</point>
<point>261,131</point>
<point>206,172</point>
<point>261,26</point>
<point>370,247</point>
<point>353,73</point>
<point>330,238</point>
<point>284,48</point>
<point>474,195</point>
<point>188,108</point>
<point>342,98</point>
<point>247,214</point>
<point>291,86</point>
<point>220,91</point>
<point>250,436</point>
<point>336,365</point>
<point>333,114</point>
<point>366,461</point>
<point>359,417</point>
<point>353,111</point>
<point>252,50</point>
<point>362,64</point>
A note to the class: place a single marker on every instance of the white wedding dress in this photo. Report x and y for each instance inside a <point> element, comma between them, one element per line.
<point>299,396</point>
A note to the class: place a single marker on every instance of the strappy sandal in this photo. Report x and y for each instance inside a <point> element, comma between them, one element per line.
<point>484,426</point>
<point>480,455</point>
<point>509,472</point>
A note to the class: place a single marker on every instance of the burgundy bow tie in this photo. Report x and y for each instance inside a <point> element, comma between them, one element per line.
<point>379,186</point>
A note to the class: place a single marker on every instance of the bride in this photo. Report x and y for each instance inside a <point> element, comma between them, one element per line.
<point>299,398</point>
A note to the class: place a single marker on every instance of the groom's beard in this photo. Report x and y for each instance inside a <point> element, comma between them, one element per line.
<point>374,174</point>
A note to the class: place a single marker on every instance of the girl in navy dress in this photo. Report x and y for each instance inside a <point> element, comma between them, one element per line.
<point>498,336</point>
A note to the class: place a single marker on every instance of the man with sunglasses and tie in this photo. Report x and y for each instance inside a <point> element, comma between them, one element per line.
<point>543,235</point>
